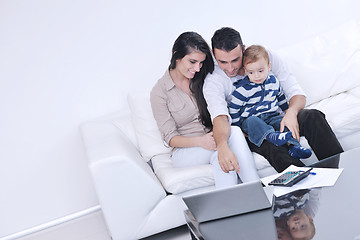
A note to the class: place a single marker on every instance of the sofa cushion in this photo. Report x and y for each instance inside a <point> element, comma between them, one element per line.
<point>327,64</point>
<point>355,92</point>
<point>178,180</point>
<point>263,167</point>
<point>147,133</point>
<point>342,112</point>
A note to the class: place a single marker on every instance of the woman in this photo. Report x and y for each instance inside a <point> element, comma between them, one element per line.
<point>181,114</point>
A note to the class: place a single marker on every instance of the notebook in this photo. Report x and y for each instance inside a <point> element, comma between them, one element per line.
<point>226,202</point>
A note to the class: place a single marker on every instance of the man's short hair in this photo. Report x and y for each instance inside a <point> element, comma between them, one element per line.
<point>227,39</point>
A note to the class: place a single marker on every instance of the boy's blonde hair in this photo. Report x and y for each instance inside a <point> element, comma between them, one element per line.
<point>254,53</point>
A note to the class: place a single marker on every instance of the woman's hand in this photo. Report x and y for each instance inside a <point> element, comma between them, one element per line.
<point>207,141</point>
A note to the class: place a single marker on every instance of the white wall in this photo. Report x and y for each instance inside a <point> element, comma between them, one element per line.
<point>64,62</point>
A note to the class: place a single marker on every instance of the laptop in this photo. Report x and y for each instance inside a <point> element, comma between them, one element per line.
<point>225,202</point>
<point>329,162</point>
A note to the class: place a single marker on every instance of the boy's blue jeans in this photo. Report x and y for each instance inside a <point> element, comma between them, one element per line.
<point>258,127</point>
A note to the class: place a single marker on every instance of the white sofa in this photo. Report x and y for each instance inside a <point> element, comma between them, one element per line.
<point>139,200</point>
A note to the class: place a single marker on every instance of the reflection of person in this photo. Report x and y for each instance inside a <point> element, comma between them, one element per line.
<point>301,225</point>
<point>180,111</point>
<point>282,230</point>
<point>294,213</point>
<point>256,103</point>
<point>228,50</point>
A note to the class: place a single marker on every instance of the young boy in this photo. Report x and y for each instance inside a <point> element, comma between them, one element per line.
<point>256,101</point>
<point>294,213</point>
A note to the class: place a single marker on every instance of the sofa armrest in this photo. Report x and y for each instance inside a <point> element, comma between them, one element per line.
<point>125,184</point>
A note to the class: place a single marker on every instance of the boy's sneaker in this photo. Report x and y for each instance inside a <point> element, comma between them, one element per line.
<point>299,152</point>
<point>279,138</point>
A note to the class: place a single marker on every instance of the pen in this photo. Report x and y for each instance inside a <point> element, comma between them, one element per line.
<point>312,173</point>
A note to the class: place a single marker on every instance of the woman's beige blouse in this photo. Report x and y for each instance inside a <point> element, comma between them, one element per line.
<point>175,112</point>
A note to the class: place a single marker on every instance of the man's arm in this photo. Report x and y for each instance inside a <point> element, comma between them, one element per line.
<point>217,88</point>
<point>289,120</point>
<point>227,159</point>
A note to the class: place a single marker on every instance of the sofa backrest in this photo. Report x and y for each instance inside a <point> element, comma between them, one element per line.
<point>327,64</point>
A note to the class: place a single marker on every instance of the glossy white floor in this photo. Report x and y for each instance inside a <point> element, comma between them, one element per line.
<point>92,227</point>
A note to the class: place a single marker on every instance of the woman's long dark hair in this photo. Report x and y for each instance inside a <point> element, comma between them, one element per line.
<point>185,44</point>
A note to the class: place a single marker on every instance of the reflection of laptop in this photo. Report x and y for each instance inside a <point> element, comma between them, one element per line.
<point>330,162</point>
<point>225,202</point>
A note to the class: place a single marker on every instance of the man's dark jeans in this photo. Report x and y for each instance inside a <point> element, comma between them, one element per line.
<point>315,128</point>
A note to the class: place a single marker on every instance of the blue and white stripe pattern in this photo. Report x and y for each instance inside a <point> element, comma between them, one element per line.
<point>286,205</point>
<point>250,98</point>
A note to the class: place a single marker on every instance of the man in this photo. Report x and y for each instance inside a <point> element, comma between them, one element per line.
<point>228,48</point>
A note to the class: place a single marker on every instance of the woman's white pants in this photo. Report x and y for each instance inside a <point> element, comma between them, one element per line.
<point>185,157</point>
